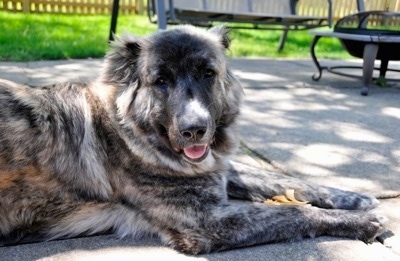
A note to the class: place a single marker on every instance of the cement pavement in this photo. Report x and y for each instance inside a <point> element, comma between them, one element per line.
<point>325,132</point>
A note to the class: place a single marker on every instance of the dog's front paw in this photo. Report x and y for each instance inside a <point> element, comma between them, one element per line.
<point>361,225</point>
<point>340,199</point>
<point>379,223</point>
<point>353,201</point>
<point>373,227</point>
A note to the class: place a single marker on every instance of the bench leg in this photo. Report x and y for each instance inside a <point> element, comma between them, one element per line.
<point>161,15</point>
<point>282,40</point>
<point>369,56</point>
<point>316,77</point>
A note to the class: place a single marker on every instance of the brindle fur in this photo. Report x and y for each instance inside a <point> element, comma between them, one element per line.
<point>81,159</point>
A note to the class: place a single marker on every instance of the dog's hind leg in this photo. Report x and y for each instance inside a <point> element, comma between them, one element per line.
<point>92,218</point>
<point>36,207</point>
<point>245,182</point>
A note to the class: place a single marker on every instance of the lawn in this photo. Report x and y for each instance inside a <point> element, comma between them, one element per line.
<point>27,37</point>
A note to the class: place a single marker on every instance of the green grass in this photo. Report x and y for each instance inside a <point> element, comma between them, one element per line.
<point>27,37</point>
<point>264,43</point>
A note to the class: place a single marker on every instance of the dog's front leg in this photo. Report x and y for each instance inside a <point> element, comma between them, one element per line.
<point>239,224</point>
<point>245,182</point>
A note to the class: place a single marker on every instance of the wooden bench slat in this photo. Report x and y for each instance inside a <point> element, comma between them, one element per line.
<point>305,22</point>
<point>278,14</point>
<point>207,14</point>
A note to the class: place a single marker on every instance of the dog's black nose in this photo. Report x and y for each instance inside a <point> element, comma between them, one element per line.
<point>195,133</point>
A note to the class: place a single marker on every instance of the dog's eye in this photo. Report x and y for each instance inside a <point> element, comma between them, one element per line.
<point>160,81</point>
<point>208,73</point>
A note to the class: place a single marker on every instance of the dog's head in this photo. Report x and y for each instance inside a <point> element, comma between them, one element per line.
<point>176,94</point>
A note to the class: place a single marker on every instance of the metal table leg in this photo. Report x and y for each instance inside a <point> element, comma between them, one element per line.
<point>383,69</point>
<point>369,56</point>
<point>316,77</point>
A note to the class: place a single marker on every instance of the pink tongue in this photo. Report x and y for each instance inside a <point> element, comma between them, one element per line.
<point>195,152</point>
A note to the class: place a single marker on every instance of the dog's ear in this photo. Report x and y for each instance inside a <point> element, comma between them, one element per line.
<point>223,33</point>
<point>121,61</point>
<point>133,47</point>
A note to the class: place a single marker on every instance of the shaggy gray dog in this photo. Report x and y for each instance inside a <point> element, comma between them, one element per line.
<point>144,150</point>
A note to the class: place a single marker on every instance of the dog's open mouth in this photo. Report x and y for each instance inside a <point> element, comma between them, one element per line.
<point>196,152</point>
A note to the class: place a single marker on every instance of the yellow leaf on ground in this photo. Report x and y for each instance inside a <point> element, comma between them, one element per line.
<point>288,200</point>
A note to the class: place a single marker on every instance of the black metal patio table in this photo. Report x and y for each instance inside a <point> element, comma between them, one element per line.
<point>382,43</point>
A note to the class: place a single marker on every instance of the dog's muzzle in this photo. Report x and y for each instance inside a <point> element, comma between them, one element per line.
<point>193,132</point>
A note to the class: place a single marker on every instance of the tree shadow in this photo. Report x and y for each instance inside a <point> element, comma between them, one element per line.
<point>322,132</point>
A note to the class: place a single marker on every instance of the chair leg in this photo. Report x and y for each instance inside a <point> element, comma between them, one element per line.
<point>369,56</point>
<point>282,40</point>
<point>114,18</point>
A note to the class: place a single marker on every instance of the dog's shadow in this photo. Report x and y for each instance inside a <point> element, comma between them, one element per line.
<point>106,247</point>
